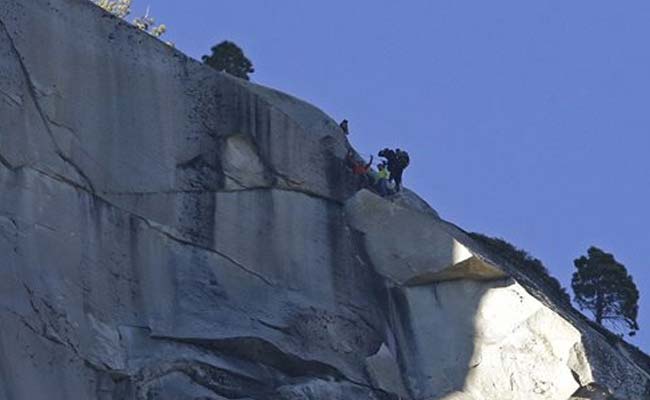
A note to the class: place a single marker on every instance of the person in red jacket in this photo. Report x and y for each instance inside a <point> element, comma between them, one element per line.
<point>359,168</point>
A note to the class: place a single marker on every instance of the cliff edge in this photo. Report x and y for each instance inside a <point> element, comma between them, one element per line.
<point>170,232</point>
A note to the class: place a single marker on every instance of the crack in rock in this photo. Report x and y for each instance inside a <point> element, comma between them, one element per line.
<point>63,126</point>
<point>263,352</point>
<point>31,89</point>
<point>12,98</point>
<point>219,381</point>
<point>5,163</point>
<point>47,330</point>
<point>161,229</point>
<point>81,173</point>
<point>201,191</point>
<point>60,178</point>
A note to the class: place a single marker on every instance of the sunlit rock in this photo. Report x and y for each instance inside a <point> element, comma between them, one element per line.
<point>410,247</point>
<point>170,232</point>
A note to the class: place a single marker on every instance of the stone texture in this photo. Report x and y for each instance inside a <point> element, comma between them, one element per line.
<point>410,247</point>
<point>170,232</point>
<point>384,372</point>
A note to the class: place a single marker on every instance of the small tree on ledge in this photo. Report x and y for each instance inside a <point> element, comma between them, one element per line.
<point>229,58</point>
<point>602,285</point>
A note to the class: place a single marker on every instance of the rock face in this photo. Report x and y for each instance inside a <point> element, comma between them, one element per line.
<point>169,232</point>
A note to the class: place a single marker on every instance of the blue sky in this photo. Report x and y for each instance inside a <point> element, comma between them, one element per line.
<point>524,120</point>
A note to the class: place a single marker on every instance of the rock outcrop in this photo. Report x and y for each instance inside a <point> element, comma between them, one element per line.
<point>170,232</point>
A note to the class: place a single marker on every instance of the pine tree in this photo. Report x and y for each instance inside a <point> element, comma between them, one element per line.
<point>228,57</point>
<point>602,285</point>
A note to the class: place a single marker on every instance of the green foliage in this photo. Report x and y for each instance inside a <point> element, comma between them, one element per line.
<point>602,285</point>
<point>228,57</point>
<point>148,24</point>
<point>520,259</point>
<point>122,8</point>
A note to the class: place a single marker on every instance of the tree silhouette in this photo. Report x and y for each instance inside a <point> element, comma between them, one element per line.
<point>602,285</point>
<point>228,57</point>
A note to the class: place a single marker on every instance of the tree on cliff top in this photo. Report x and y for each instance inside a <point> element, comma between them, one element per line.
<point>228,57</point>
<point>602,285</point>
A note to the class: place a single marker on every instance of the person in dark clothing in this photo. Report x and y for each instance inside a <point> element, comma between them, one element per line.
<point>344,126</point>
<point>390,157</point>
<point>397,161</point>
<point>396,176</point>
<point>403,158</point>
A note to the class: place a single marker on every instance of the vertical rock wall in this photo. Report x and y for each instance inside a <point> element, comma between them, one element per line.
<point>169,232</point>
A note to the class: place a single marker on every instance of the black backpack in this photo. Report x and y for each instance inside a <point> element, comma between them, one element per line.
<point>403,159</point>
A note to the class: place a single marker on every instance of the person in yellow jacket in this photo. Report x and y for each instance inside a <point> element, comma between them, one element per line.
<point>382,179</point>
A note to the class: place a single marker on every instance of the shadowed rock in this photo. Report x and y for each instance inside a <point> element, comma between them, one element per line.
<point>171,232</point>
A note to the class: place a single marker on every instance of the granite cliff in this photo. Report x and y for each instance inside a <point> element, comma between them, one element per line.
<point>170,232</point>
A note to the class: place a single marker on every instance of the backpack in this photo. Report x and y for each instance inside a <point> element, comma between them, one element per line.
<point>403,159</point>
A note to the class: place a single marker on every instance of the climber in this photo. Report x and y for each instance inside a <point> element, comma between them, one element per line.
<point>382,179</point>
<point>389,155</point>
<point>359,168</point>
<point>344,126</point>
<point>402,160</point>
<point>397,161</point>
<point>391,163</point>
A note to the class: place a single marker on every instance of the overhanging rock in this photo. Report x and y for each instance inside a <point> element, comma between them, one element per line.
<point>411,247</point>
